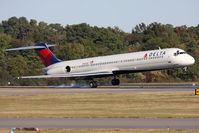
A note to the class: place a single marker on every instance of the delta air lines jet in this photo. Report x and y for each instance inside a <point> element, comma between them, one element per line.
<point>112,65</point>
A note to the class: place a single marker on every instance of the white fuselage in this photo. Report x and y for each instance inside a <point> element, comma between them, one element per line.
<point>128,62</point>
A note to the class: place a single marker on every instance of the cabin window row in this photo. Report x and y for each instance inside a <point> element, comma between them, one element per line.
<point>113,62</point>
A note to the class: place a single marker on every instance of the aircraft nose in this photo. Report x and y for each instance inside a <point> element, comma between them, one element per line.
<point>186,60</point>
<point>191,60</point>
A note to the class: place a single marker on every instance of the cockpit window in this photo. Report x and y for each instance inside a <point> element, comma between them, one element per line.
<point>178,52</point>
<point>182,52</point>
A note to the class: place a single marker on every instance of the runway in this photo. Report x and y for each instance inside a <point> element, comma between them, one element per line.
<point>102,123</point>
<point>15,91</point>
<point>126,123</point>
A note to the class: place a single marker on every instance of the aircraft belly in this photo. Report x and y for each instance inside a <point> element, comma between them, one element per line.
<point>146,66</point>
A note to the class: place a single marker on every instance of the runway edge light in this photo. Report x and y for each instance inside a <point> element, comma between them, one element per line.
<point>196,91</point>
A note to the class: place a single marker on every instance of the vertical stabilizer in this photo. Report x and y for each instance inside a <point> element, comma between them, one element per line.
<point>46,56</point>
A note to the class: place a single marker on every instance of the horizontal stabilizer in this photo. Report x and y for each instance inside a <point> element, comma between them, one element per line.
<point>43,51</point>
<point>29,47</point>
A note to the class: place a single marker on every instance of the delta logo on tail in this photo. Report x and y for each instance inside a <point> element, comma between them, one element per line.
<point>46,56</point>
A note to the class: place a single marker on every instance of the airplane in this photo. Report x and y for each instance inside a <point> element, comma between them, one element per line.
<point>110,65</point>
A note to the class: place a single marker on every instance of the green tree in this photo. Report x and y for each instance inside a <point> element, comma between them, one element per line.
<point>17,66</point>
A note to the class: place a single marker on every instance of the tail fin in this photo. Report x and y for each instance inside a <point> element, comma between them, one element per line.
<point>43,51</point>
<point>46,56</point>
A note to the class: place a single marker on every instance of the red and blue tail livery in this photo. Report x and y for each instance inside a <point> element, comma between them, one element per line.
<point>46,56</point>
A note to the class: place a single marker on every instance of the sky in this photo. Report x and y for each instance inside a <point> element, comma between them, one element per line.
<point>125,14</point>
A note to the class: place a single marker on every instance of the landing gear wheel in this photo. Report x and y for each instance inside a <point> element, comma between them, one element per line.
<point>115,82</point>
<point>93,84</point>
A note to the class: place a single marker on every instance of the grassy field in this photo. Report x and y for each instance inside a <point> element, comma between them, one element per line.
<point>108,105</point>
<point>103,131</point>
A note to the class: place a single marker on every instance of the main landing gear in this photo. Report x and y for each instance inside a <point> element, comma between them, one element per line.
<point>115,81</point>
<point>93,84</point>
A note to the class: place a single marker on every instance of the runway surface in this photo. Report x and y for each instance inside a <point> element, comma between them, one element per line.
<point>31,91</point>
<point>102,123</point>
<point>95,123</point>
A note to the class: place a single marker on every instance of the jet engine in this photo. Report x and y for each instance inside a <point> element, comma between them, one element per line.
<point>59,70</point>
<point>68,69</point>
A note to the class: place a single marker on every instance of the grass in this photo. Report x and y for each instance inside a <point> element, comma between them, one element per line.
<point>103,131</point>
<point>108,105</point>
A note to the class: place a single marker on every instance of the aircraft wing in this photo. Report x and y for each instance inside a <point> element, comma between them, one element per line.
<point>73,75</point>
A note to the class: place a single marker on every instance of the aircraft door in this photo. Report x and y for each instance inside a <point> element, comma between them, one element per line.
<point>169,59</point>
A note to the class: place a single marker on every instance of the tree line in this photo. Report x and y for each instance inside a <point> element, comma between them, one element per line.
<point>82,40</point>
